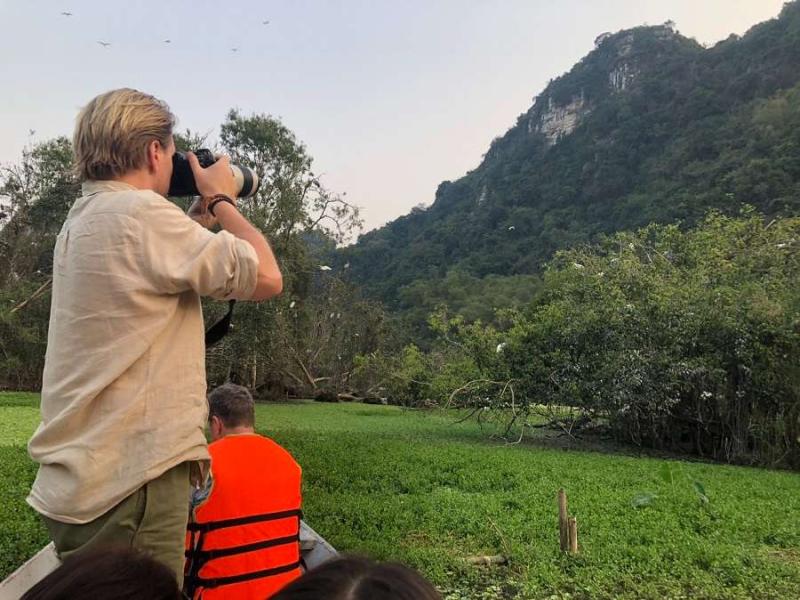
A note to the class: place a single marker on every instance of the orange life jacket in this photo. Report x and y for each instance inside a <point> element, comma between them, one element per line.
<point>244,541</point>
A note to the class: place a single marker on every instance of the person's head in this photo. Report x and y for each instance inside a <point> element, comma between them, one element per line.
<point>120,573</point>
<point>230,410</point>
<point>125,134</point>
<point>353,578</point>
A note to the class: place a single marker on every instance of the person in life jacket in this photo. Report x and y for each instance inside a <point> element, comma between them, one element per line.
<point>243,538</point>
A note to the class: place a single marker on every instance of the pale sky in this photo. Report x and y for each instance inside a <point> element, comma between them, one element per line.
<point>389,97</point>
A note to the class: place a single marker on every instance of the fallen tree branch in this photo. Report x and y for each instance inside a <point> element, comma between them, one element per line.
<point>491,559</point>
<point>41,290</point>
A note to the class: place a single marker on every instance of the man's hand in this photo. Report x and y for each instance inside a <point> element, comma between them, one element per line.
<point>199,212</point>
<point>216,179</point>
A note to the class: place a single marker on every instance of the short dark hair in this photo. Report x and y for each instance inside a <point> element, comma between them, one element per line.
<point>233,404</point>
<point>102,572</point>
<point>353,578</point>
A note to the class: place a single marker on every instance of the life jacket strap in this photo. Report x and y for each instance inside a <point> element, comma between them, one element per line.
<point>206,555</point>
<point>223,523</point>
<point>204,583</point>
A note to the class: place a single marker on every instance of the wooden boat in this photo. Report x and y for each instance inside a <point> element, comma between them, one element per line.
<point>313,547</point>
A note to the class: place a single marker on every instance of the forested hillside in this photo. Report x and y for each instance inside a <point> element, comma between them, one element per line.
<point>648,127</point>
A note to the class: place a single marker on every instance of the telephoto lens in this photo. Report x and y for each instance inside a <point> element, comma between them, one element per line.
<point>183,183</point>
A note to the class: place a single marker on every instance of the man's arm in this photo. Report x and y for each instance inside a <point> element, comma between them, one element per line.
<point>218,179</point>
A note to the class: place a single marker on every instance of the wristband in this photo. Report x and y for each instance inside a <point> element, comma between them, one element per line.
<point>216,200</point>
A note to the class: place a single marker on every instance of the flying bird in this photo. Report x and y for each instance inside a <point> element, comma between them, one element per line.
<point>234,49</point>
<point>265,22</point>
<point>167,41</point>
<point>32,131</point>
<point>104,44</point>
<point>66,14</point>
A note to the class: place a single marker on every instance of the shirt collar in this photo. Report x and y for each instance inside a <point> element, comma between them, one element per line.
<point>93,186</point>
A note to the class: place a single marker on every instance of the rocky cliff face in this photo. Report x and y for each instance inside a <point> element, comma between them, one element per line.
<point>622,58</point>
<point>556,121</point>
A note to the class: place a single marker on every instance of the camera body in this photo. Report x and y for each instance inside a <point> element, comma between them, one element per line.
<point>183,183</point>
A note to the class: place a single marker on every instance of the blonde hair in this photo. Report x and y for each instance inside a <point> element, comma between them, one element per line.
<point>112,132</point>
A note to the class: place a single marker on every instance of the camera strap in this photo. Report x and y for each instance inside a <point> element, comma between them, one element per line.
<point>221,328</point>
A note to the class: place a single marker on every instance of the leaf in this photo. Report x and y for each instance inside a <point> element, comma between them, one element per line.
<point>666,473</point>
<point>643,499</point>
<point>701,492</point>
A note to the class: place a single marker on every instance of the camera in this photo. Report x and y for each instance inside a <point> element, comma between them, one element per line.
<point>183,183</point>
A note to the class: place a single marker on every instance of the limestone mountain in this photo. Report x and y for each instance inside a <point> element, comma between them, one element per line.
<point>648,127</point>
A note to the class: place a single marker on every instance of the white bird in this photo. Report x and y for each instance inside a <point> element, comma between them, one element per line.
<point>577,265</point>
<point>104,44</point>
<point>500,347</point>
<point>511,228</point>
<point>347,265</point>
<point>291,304</point>
<point>324,268</point>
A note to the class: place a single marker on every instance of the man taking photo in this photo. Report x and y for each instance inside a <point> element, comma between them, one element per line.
<point>124,389</point>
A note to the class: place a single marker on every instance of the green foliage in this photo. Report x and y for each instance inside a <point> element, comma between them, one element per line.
<point>693,129</point>
<point>678,340</point>
<point>414,487</point>
<point>39,192</point>
<point>682,340</point>
<point>473,298</point>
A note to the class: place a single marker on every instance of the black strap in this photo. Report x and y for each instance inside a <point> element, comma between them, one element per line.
<point>221,328</point>
<point>190,578</point>
<point>214,525</point>
<point>202,582</point>
<point>206,555</point>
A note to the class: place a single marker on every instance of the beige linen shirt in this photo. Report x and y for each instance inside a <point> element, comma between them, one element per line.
<point>124,388</point>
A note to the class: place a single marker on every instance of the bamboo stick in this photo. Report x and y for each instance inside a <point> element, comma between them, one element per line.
<point>573,535</point>
<point>563,526</point>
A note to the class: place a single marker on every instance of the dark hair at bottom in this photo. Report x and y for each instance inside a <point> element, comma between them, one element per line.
<point>354,578</point>
<point>105,573</point>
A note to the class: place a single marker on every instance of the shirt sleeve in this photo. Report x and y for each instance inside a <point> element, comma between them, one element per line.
<point>179,255</point>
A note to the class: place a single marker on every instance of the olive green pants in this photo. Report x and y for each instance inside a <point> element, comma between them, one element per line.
<point>152,519</point>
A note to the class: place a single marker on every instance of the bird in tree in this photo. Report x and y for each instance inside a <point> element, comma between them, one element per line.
<point>104,44</point>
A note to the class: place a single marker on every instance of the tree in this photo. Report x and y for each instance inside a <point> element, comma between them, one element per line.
<point>39,192</point>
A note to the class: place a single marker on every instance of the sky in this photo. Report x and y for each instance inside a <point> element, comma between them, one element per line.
<point>390,97</point>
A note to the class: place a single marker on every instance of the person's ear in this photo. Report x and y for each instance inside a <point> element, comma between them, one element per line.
<point>154,154</point>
